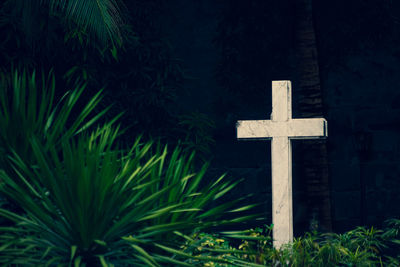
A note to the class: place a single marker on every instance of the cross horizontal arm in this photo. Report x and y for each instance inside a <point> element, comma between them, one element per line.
<point>294,129</point>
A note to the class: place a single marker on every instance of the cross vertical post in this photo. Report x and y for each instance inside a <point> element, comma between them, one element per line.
<point>281,167</point>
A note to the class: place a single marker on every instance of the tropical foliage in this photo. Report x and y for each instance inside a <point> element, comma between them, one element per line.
<point>100,18</point>
<point>358,247</point>
<point>28,108</point>
<point>57,166</point>
<point>81,198</point>
<point>138,73</point>
<point>95,202</point>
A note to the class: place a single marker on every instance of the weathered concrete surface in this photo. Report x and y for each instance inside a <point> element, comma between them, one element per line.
<point>281,129</point>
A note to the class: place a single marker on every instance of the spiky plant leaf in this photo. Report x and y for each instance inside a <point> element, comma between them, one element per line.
<point>28,108</point>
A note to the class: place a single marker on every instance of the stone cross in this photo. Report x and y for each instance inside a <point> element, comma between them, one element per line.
<point>281,129</point>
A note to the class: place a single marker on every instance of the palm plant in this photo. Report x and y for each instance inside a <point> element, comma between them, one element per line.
<point>82,199</point>
<point>101,18</point>
<point>28,108</point>
<point>94,203</point>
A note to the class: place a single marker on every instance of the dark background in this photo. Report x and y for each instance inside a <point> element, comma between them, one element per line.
<point>188,70</point>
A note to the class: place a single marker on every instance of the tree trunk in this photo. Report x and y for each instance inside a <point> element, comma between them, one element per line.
<point>314,153</point>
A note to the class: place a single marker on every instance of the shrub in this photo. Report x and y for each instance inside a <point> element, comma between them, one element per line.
<point>28,108</point>
<point>95,203</point>
<point>84,200</point>
<point>358,247</point>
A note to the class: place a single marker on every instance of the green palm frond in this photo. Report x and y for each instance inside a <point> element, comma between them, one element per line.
<point>101,17</point>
